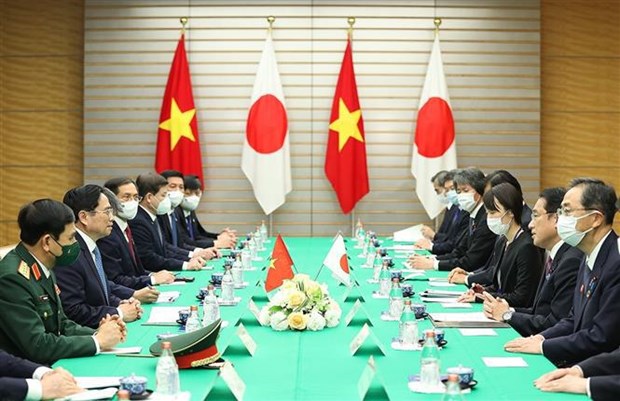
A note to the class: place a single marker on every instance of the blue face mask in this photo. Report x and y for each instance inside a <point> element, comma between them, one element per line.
<point>452,197</point>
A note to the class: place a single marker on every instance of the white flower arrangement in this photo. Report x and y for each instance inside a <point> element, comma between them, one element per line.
<point>301,304</point>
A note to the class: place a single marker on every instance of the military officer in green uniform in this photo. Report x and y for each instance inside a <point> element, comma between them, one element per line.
<point>33,324</point>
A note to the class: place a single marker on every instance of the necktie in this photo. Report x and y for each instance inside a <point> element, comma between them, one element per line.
<point>455,216</point>
<point>158,229</point>
<point>173,230</point>
<point>190,228</point>
<point>471,225</point>
<point>131,244</point>
<point>548,264</point>
<point>101,273</point>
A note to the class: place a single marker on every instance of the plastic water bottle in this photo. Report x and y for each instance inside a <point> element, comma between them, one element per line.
<point>376,265</point>
<point>453,389</point>
<point>408,328</point>
<point>259,239</point>
<point>237,272</point>
<point>167,373</point>
<point>429,362</point>
<point>253,248</point>
<point>246,257</point>
<point>359,229</point>
<point>263,231</point>
<point>210,307</point>
<point>385,281</point>
<point>228,286</point>
<point>396,299</point>
<point>370,259</point>
<point>193,321</point>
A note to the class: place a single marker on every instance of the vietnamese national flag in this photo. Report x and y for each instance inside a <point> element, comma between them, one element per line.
<point>345,160</point>
<point>280,267</point>
<point>337,260</point>
<point>434,147</point>
<point>266,159</point>
<point>178,144</point>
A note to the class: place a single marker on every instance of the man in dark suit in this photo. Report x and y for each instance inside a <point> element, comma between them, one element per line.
<point>455,220</point>
<point>192,231</point>
<point>553,299</point>
<point>153,250</point>
<point>121,261</point>
<point>21,379</point>
<point>593,326</point>
<point>597,376</point>
<point>475,245</point>
<point>33,323</point>
<point>87,295</point>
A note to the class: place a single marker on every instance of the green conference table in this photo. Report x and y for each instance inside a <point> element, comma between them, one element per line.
<point>318,365</point>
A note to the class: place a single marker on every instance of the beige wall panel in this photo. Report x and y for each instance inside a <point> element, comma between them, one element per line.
<point>41,91</point>
<point>42,27</point>
<point>580,27</point>
<point>582,84</point>
<point>581,139</point>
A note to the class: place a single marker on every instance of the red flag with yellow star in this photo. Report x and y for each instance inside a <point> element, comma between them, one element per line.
<point>345,161</point>
<point>178,145</point>
<point>280,267</point>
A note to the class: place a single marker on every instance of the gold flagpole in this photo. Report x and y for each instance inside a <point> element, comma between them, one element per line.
<point>437,22</point>
<point>351,22</point>
<point>183,21</point>
<point>271,19</point>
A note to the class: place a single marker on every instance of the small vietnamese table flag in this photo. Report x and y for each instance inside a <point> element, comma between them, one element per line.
<point>345,159</point>
<point>337,261</point>
<point>178,144</point>
<point>434,147</point>
<point>280,266</point>
<point>266,160</point>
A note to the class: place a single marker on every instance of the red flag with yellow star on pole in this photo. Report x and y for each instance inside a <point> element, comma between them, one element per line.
<point>178,144</point>
<point>280,267</point>
<point>345,160</point>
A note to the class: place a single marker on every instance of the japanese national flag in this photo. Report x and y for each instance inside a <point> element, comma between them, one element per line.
<point>337,261</point>
<point>266,159</point>
<point>434,147</point>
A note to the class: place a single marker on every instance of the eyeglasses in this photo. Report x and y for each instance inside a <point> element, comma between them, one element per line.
<point>567,212</point>
<point>127,198</point>
<point>109,211</point>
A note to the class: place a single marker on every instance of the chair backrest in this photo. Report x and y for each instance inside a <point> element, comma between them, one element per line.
<point>6,249</point>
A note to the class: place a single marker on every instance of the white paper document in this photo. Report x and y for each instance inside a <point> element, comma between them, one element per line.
<point>123,350</point>
<point>103,394</point>
<point>469,317</point>
<point>438,300</point>
<point>167,297</point>
<point>456,305</point>
<point>505,362</point>
<point>165,315</point>
<point>441,293</point>
<point>411,234</point>
<point>478,332</point>
<point>441,284</point>
<point>97,381</point>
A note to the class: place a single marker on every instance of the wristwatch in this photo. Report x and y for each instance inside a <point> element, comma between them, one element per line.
<point>507,315</point>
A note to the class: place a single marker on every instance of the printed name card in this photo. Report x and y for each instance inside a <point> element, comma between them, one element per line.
<point>368,374</point>
<point>357,307</point>
<point>246,339</point>
<point>361,338</point>
<point>254,309</point>
<point>233,380</point>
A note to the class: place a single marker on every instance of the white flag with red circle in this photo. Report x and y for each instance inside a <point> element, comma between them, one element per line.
<point>266,160</point>
<point>434,146</point>
<point>337,261</point>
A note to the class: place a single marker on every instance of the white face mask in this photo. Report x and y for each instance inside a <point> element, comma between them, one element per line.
<point>452,197</point>
<point>176,197</point>
<point>128,210</point>
<point>467,201</point>
<point>496,226</point>
<point>443,199</point>
<point>164,206</point>
<point>567,229</point>
<point>190,203</point>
